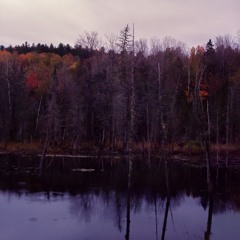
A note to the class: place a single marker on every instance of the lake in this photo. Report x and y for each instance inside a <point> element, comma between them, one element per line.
<point>116,198</point>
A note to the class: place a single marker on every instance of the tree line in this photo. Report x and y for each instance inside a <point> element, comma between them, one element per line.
<point>120,94</point>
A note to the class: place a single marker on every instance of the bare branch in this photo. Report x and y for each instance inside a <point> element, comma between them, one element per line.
<point>89,40</point>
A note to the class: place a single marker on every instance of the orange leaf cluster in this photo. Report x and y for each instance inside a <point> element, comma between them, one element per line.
<point>32,81</point>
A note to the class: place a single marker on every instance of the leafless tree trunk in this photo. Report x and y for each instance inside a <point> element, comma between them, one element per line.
<point>113,134</point>
<point>207,145</point>
<point>132,99</point>
<point>44,152</point>
<point>217,138</point>
<point>9,90</point>
<point>163,124</point>
<point>227,135</point>
<point>229,102</point>
<point>148,135</point>
<point>189,80</point>
<point>38,113</point>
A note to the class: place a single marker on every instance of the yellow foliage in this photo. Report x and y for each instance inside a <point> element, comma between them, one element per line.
<point>74,67</point>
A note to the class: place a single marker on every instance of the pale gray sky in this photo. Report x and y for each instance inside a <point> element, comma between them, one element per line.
<point>55,21</point>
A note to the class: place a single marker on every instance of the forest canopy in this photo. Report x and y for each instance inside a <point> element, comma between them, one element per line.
<point>120,92</point>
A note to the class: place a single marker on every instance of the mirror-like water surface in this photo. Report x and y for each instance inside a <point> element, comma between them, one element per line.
<point>116,199</point>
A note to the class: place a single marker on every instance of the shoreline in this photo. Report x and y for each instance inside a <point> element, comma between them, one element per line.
<point>184,155</point>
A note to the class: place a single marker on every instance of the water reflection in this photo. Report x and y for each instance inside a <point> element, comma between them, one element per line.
<point>120,199</point>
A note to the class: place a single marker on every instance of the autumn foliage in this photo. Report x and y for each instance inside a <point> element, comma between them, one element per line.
<point>80,95</point>
<point>32,81</point>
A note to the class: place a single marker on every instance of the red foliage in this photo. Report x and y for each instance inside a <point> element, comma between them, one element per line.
<point>32,81</point>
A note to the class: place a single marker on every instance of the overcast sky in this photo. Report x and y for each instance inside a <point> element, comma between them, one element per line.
<point>54,21</point>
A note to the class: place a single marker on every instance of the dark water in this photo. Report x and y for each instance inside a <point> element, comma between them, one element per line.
<point>90,199</point>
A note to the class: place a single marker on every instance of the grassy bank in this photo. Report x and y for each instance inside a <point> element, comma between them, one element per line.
<point>144,148</point>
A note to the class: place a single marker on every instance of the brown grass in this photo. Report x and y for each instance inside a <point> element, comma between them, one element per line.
<point>139,147</point>
<point>18,147</point>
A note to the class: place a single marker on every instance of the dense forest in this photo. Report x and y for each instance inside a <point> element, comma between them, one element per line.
<point>120,94</point>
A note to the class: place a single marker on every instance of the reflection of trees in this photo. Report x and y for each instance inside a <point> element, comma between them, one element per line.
<point>148,185</point>
<point>164,228</point>
<point>128,215</point>
<point>83,206</point>
<point>119,213</point>
<point>210,214</point>
<point>226,192</point>
<point>211,196</point>
<point>156,218</point>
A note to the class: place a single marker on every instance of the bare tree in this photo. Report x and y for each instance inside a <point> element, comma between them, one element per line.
<point>155,45</point>
<point>111,43</point>
<point>89,40</point>
<point>238,38</point>
<point>225,41</point>
<point>169,42</point>
<point>142,46</point>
